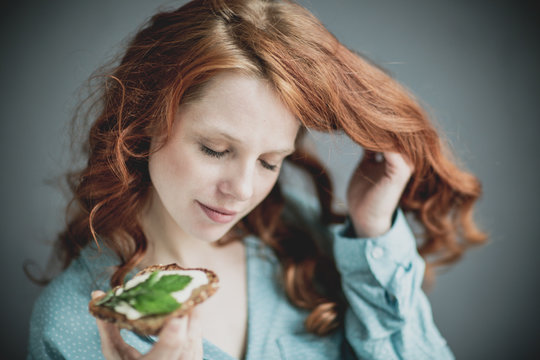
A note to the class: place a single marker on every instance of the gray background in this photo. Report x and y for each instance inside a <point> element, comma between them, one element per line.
<point>473,63</point>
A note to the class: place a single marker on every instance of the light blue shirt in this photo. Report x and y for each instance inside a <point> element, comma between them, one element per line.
<point>388,317</point>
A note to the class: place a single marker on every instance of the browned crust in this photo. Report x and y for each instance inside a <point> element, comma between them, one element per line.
<point>151,325</point>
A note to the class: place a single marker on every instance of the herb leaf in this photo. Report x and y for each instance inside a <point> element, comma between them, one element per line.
<point>141,287</point>
<point>172,283</point>
<point>106,298</point>
<point>152,296</point>
<point>155,302</point>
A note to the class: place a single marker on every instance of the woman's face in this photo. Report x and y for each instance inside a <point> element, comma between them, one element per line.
<point>223,157</point>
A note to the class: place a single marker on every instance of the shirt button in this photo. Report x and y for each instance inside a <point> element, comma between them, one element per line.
<point>377,253</point>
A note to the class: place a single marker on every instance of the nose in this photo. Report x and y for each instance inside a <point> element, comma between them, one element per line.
<point>238,182</point>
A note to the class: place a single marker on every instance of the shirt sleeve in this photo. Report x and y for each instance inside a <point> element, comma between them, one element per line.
<point>61,327</point>
<point>389,316</point>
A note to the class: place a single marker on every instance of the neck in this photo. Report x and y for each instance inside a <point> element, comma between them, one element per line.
<point>168,243</point>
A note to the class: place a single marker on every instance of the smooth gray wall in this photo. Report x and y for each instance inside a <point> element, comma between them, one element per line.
<point>473,63</point>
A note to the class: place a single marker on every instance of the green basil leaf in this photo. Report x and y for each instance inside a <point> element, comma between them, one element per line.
<point>152,296</point>
<point>145,285</point>
<point>108,296</point>
<point>172,283</point>
<point>152,279</point>
<point>155,303</point>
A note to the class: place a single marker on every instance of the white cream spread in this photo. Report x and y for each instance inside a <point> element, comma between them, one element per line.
<point>198,278</point>
<point>128,310</point>
<point>136,281</point>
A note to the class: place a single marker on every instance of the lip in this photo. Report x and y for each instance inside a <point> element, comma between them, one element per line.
<point>217,214</point>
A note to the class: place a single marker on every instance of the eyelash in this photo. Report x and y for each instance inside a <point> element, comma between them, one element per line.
<point>219,154</point>
<point>268,166</point>
<point>212,153</point>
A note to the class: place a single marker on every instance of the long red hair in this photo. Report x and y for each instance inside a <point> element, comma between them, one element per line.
<point>327,86</point>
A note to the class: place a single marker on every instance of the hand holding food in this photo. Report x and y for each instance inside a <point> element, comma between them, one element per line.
<point>180,338</point>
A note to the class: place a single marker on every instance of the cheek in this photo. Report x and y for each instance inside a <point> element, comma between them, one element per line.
<point>178,173</point>
<point>265,185</point>
<point>168,172</point>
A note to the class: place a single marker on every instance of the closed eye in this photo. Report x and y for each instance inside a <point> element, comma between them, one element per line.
<point>219,154</point>
<point>213,153</point>
<point>268,166</point>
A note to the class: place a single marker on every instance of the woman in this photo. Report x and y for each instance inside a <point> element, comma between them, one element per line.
<point>183,163</point>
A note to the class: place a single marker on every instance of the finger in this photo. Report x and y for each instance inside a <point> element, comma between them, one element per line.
<point>368,155</point>
<point>172,340</point>
<point>378,157</point>
<point>112,344</point>
<point>396,157</point>
<point>400,162</point>
<point>372,155</point>
<point>390,156</point>
<point>96,294</point>
<point>195,335</point>
<point>195,322</point>
<point>368,169</point>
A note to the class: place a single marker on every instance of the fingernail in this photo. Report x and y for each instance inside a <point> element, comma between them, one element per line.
<point>94,294</point>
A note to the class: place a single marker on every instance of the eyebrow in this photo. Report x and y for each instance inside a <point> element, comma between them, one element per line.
<point>238,141</point>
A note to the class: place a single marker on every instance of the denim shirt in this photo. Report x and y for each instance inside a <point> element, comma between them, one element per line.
<point>388,315</point>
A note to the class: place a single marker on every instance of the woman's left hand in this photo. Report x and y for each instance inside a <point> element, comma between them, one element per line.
<point>374,191</point>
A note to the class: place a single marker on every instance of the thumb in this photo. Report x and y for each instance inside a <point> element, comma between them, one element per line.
<point>171,343</point>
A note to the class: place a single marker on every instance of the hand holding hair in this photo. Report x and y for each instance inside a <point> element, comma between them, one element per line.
<point>374,191</point>
<point>181,338</point>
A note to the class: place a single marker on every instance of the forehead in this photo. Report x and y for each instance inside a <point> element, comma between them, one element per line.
<point>243,107</point>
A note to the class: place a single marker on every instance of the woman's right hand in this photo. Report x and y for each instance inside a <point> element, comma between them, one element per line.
<point>180,338</point>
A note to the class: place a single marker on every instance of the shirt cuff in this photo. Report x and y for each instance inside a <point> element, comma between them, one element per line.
<point>383,255</point>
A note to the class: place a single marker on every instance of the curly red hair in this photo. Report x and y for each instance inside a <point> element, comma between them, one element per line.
<point>327,86</point>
